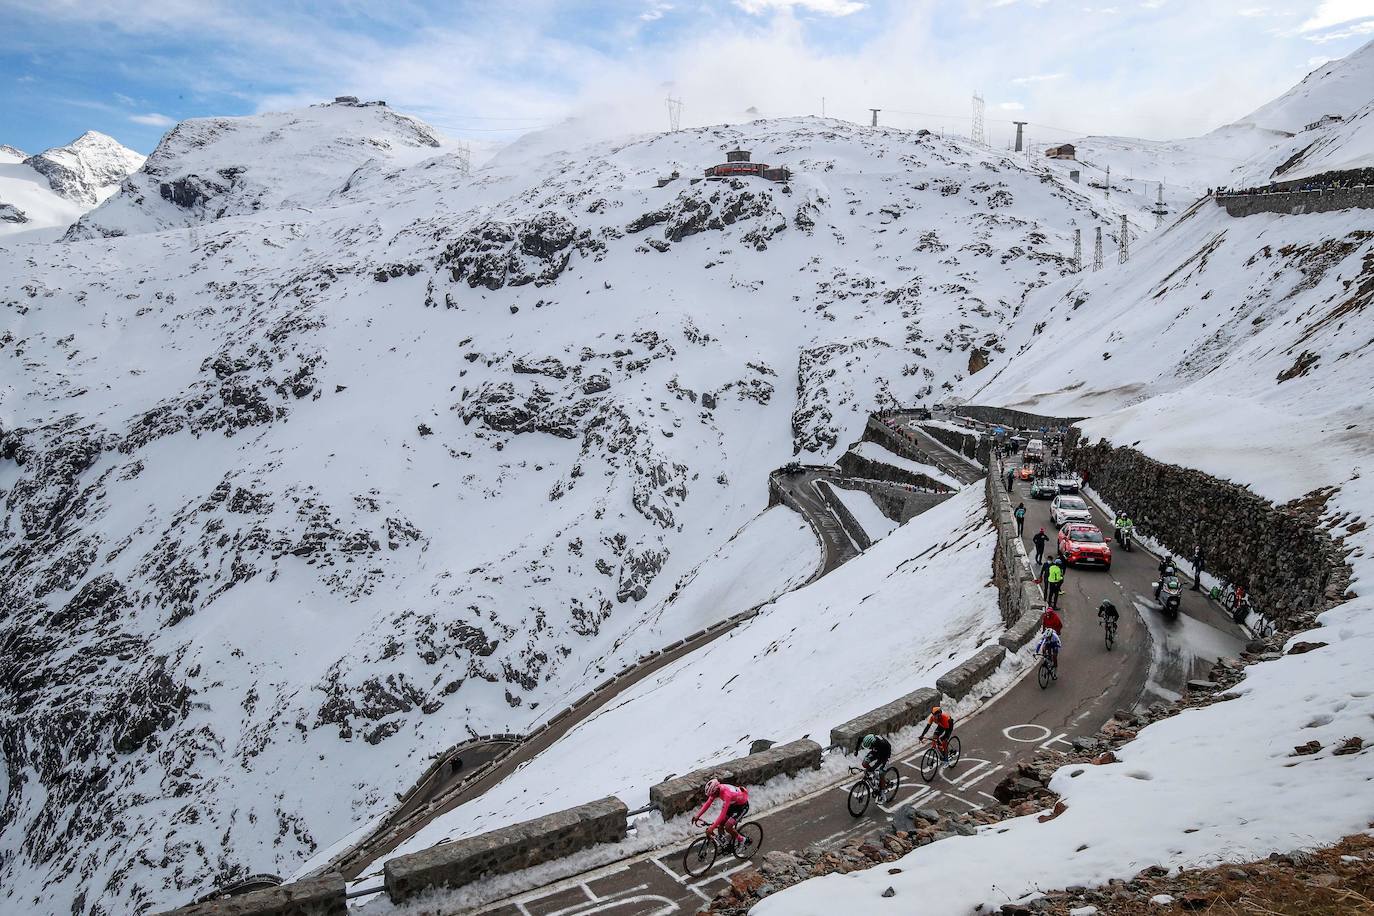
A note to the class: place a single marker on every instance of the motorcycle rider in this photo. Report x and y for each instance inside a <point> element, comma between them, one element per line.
<point>1123,526</point>
<point>1167,570</point>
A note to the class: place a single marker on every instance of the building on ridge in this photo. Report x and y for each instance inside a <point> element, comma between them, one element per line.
<point>737,163</point>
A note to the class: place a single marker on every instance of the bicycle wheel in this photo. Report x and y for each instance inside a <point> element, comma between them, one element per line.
<point>892,781</point>
<point>699,857</point>
<point>1044,674</point>
<point>1111,635</point>
<point>955,748</point>
<point>750,839</point>
<point>930,764</point>
<point>859,797</point>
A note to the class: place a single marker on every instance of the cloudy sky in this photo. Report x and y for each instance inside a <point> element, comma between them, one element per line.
<point>492,69</point>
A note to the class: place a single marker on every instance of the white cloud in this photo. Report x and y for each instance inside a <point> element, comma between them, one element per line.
<point>153,119</point>
<point>1037,78</point>
<point>1337,12</point>
<point>1253,12</point>
<point>824,7</point>
<point>1010,106</point>
<point>656,10</point>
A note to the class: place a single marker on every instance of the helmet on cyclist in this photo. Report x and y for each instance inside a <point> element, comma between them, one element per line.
<point>712,786</point>
<point>935,710</point>
<point>868,741</point>
<point>1106,605</point>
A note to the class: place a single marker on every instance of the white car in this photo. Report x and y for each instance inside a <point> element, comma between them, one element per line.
<point>1066,508</point>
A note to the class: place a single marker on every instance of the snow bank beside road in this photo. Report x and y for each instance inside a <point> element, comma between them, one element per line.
<point>876,525</point>
<point>882,625</point>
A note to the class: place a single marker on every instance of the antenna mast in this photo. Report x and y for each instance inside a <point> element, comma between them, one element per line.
<point>1123,253</point>
<point>1097,250</point>
<point>977,135</point>
<point>1077,250</point>
<point>674,113</point>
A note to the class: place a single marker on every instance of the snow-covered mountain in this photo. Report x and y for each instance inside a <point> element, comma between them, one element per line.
<point>1290,137</point>
<point>350,483</point>
<point>41,195</point>
<point>209,168</point>
<point>1236,346</point>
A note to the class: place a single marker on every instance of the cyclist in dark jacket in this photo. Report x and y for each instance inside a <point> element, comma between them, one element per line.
<point>879,751</point>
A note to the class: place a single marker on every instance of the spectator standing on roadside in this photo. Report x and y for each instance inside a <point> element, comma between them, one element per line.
<point>1050,620</point>
<point>1011,473</point>
<point>1020,514</point>
<point>1044,574</point>
<point>1040,539</point>
<point>1054,581</point>
<point>1199,564</point>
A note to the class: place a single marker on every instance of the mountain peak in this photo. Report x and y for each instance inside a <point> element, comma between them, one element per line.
<point>86,169</point>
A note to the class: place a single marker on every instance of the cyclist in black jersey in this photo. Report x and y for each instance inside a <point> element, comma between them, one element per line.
<point>879,751</point>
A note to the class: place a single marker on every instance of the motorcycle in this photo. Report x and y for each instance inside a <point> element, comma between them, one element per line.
<point>1169,594</point>
<point>1123,538</point>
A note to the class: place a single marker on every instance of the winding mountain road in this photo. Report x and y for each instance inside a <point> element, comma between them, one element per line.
<point>1153,659</point>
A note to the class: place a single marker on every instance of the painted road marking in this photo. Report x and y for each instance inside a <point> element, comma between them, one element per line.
<point>1057,739</point>
<point>674,875</point>
<point>597,904</point>
<point>1010,729</point>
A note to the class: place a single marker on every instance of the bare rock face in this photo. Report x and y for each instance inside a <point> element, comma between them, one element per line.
<point>84,168</point>
<point>9,213</point>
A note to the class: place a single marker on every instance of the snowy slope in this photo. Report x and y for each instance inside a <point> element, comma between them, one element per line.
<point>208,168</point>
<point>351,483</point>
<point>1241,347</point>
<point>819,641</point>
<point>40,196</point>
<point>1272,142</point>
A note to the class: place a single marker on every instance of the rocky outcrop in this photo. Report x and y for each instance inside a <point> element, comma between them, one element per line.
<point>499,254</point>
<point>1304,567</point>
<point>84,168</point>
<point>9,213</point>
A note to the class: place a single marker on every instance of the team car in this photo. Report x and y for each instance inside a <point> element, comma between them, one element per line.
<point>1067,483</point>
<point>1044,488</point>
<point>1081,544</point>
<point>1069,508</point>
<point>1026,471</point>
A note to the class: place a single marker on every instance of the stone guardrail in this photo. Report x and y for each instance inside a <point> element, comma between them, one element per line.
<point>959,682</point>
<point>847,521</point>
<point>681,793</point>
<point>855,465</point>
<point>1015,419</point>
<point>971,445</point>
<point>1022,602</point>
<point>323,896</point>
<point>508,849</point>
<point>1296,203</point>
<point>875,430</point>
<point>893,717</point>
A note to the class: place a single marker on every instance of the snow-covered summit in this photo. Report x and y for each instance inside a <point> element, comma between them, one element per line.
<point>1320,124</point>
<point>86,170</point>
<point>208,168</point>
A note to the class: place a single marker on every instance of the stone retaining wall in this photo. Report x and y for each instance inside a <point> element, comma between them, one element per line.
<point>848,522</point>
<point>681,793</point>
<point>1021,599</point>
<point>896,501</point>
<point>885,720</point>
<point>971,445</point>
<point>959,682</point>
<point>854,465</point>
<point>1241,532</point>
<point>1293,203</point>
<point>1008,416</point>
<point>323,896</point>
<point>506,850</point>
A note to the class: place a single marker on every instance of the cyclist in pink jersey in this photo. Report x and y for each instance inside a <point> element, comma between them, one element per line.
<point>734,804</point>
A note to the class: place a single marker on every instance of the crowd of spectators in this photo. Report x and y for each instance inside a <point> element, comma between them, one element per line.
<point>1327,181</point>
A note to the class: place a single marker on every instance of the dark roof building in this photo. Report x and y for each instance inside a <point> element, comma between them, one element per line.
<point>1062,151</point>
<point>737,162</point>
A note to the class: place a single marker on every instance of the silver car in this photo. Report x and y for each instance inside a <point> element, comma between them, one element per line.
<point>1067,507</point>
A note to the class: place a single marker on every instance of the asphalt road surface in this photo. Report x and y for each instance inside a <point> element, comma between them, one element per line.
<point>836,546</point>
<point>1152,660</point>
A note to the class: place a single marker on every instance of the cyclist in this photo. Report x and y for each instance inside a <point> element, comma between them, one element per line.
<point>944,728</point>
<point>734,804</point>
<point>1108,612</point>
<point>1049,646</point>
<point>879,751</point>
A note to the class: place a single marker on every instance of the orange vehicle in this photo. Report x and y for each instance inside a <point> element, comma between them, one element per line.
<point>1026,472</point>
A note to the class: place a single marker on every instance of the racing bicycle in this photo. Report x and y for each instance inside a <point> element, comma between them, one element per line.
<point>701,854</point>
<point>1109,633</point>
<point>872,784</point>
<point>1049,671</point>
<point>932,759</point>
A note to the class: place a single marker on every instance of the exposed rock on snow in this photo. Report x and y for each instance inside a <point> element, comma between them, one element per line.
<point>86,167</point>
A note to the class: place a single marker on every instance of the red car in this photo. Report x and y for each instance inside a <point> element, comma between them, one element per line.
<point>1080,543</point>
